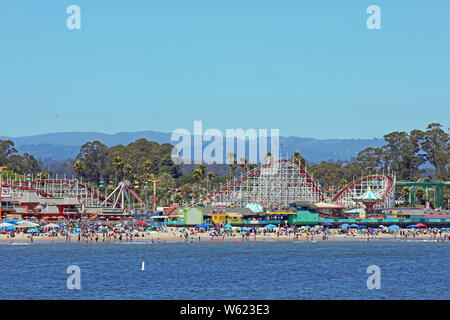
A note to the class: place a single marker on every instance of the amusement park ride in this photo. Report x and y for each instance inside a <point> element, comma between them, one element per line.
<point>280,183</point>
<point>275,185</point>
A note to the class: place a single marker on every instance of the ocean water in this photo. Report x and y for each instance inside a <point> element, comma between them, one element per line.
<point>204,271</point>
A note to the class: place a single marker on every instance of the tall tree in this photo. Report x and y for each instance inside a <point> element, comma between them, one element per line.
<point>436,146</point>
<point>78,167</point>
<point>93,155</point>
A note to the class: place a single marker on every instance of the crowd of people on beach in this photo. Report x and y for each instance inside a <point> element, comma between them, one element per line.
<point>95,231</point>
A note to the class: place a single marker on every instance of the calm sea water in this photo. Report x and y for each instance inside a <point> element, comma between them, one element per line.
<point>271,270</point>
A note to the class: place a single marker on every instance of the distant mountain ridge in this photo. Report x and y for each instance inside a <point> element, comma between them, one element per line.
<point>66,145</point>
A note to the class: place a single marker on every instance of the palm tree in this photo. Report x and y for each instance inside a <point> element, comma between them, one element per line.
<point>202,169</point>
<point>78,167</point>
<point>148,166</point>
<point>127,170</point>
<point>210,178</point>
<point>232,163</point>
<point>243,164</point>
<point>405,192</point>
<point>298,159</point>
<point>268,157</point>
<point>197,175</point>
<point>118,164</point>
<point>186,190</point>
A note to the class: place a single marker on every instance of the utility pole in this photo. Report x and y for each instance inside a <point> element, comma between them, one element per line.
<point>154,193</point>
<point>1,173</point>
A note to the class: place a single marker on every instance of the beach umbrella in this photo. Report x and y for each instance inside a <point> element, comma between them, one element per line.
<point>420,225</point>
<point>6,225</point>
<point>307,227</point>
<point>11,221</point>
<point>227,226</point>
<point>394,227</point>
<point>51,225</point>
<point>344,225</point>
<point>26,224</point>
<point>327,224</point>
<point>270,226</point>
<point>61,225</point>
<point>353,225</point>
<point>142,223</point>
<point>362,227</point>
<point>412,226</point>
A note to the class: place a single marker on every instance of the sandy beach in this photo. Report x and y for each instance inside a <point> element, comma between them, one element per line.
<point>177,236</point>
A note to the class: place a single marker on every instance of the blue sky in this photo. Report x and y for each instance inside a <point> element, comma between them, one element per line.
<point>308,68</point>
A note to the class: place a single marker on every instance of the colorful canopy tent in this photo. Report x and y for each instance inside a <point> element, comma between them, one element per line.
<point>369,199</point>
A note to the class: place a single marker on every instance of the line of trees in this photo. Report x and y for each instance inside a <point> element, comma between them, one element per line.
<point>15,163</point>
<point>404,153</point>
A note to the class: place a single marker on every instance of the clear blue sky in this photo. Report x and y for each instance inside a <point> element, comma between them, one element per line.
<point>308,68</point>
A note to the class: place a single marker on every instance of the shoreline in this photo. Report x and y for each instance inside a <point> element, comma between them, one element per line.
<point>170,238</point>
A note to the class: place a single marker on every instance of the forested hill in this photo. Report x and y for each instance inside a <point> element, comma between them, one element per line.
<point>63,146</point>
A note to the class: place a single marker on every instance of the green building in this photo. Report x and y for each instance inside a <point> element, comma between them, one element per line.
<point>303,217</point>
<point>193,215</point>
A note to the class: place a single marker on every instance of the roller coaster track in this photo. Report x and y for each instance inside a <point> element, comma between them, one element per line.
<point>279,182</point>
<point>56,188</point>
<point>382,185</point>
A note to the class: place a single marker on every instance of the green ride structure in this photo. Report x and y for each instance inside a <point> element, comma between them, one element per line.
<point>427,185</point>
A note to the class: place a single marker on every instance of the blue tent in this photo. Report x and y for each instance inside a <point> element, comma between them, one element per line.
<point>204,225</point>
